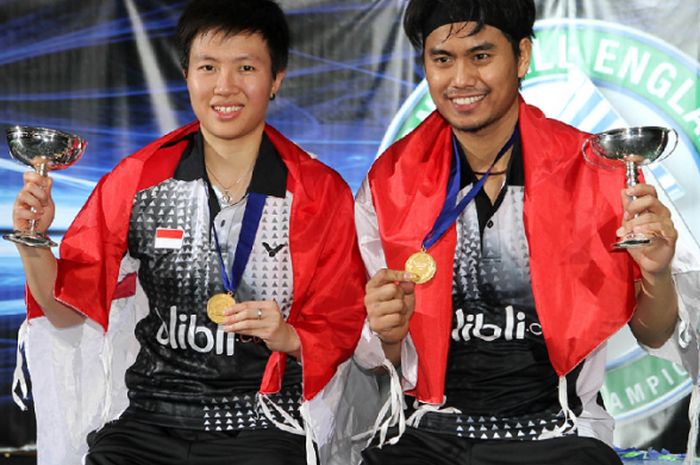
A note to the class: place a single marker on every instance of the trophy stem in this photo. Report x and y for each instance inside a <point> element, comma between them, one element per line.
<point>632,240</point>
<point>41,167</point>
<point>632,173</point>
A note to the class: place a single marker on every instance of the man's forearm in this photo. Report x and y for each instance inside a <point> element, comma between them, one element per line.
<point>657,310</point>
<point>40,269</point>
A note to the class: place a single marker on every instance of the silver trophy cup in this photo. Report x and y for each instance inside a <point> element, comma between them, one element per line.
<point>44,150</point>
<point>628,149</point>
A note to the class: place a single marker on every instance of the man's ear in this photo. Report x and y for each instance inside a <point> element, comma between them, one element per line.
<point>525,47</point>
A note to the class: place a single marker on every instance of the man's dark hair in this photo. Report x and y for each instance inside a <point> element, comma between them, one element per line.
<point>232,17</point>
<point>515,18</point>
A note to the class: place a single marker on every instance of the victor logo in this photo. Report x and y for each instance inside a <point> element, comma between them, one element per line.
<point>273,250</point>
<point>182,332</point>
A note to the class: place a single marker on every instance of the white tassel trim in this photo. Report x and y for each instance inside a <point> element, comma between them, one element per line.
<point>693,412</point>
<point>311,458</point>
<point>570,422</point>
<point>391,413</point>
<point>107,370</point>
<point>421,409</point>
<point>290,424</point>
<point>18,377</point>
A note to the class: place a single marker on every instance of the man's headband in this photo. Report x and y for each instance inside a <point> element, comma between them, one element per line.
<point>441,16</point>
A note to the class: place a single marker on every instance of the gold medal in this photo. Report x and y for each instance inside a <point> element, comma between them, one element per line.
<point>422,265</point>
<point>216,306</point>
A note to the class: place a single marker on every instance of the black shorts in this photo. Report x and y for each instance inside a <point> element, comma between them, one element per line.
<point>130,442</point>
<point>418,447</point>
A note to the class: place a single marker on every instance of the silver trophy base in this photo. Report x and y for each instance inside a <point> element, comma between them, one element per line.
<point>634,241</point>
<point>30,239</point>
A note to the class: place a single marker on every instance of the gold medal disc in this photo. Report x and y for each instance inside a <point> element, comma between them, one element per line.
<point>216,306</point>
<point>422,265</point>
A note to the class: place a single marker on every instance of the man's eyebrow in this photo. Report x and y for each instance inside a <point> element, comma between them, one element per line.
<point>246,56</point>
<point>482,47</point>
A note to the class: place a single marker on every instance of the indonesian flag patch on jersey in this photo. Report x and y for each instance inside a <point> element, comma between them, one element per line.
<point>169,238</point>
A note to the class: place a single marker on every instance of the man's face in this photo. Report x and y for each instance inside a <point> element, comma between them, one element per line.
<point>474,79</point>
<point>230,82</point>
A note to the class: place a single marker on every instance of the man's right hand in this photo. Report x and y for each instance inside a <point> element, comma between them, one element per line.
<point>390,301</point>
<point>34,202</point>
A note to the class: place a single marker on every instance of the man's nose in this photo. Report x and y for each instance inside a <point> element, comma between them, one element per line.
<point>465,74</point>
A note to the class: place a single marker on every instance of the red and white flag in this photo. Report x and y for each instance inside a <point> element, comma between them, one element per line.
<point>169,238</point>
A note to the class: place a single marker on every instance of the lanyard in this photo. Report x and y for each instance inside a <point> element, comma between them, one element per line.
<point>451,209</point>
<point>249,228</point>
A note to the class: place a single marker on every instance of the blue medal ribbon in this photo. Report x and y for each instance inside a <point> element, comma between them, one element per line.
<point>451,209</point>
<point>249,227</point>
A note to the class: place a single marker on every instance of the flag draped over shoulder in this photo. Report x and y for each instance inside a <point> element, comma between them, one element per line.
<point>583,292</point>
<point>327,311</point>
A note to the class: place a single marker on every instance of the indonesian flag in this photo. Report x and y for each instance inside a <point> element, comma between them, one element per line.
<point>169,238</point>
<point>583,292</point>
<point>327,303</point>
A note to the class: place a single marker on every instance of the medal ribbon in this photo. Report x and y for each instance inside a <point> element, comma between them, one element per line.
<point>451,209</point>
<point>246,238</point>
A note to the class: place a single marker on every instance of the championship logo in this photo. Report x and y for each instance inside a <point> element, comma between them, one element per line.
<point>597,76</point>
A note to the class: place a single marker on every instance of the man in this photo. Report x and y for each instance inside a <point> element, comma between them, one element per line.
<point>496,311</point>
<point>225,208</point>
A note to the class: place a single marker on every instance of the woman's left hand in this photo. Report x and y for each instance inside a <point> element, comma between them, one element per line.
<point>262,319</point>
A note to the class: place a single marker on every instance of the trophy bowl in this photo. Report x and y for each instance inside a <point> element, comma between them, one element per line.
<point>44,150</point>
<point>629,149</point>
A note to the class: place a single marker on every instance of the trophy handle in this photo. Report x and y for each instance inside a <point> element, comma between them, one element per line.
<point>584,148</point>
<point>597,159</point>
<point>675,143</point>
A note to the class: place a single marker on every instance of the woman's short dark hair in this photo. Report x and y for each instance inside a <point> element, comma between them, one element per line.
<point>515,18</point>
<point>232,17</point>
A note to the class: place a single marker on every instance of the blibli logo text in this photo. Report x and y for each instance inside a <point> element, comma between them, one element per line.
<point>473,326</point>
<point>183,333</point>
